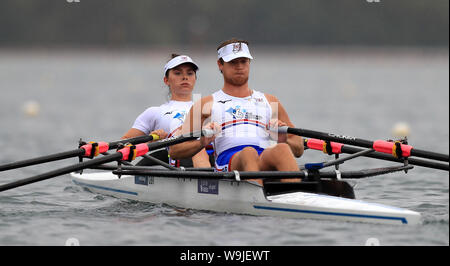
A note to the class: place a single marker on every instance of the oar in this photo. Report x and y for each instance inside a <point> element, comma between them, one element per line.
<point>337,148</point>
<point>397,149</point>
<point>89,150</point>
<point>128,153</point>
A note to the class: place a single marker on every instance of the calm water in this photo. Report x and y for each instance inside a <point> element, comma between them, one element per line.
<point>97,95</point>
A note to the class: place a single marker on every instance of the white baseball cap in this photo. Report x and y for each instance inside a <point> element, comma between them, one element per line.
<point>176,61</point>
<point>234,50</point>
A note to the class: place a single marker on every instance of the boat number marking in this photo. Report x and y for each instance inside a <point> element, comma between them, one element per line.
<point>207,186</point>
<point>143,180</point>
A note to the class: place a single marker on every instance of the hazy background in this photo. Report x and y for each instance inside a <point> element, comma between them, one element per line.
<point>197,23</point>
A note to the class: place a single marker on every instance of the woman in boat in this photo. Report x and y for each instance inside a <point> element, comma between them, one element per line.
<point>180,75</point>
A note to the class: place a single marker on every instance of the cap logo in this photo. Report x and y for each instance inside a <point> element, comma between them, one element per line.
<point>176,61</point>
<point>234,50</point>
<point>237,47</point>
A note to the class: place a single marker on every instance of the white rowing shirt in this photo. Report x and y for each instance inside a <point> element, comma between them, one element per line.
<point>244,121</point>
<point>169,117</point>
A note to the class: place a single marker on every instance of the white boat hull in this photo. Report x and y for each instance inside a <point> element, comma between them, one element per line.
<point>241,197</point>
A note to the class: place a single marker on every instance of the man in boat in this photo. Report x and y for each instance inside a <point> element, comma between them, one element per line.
<point>242,116</point>
<point>180,76</point>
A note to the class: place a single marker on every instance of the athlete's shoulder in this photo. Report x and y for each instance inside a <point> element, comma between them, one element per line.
<point>271,98</point>
<point>152,111</point>
<point>204,100</point>
<point>208,98</point>
<point>204,104</point>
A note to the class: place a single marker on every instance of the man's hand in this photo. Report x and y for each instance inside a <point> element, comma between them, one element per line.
<point>206,140</point>
<point>273,128</point>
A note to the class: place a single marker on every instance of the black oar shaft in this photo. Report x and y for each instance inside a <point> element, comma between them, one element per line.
<point>62,171</point>
<point>429,155</point>
<point>331,137</point>
<point>43,159</point>
<point>70,154</point>
<point>136,140</point>
<point>118,156</point>
<point>361,142</point>
<point>387,157</point>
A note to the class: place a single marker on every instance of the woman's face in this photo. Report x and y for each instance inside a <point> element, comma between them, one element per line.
<point>181,80</point>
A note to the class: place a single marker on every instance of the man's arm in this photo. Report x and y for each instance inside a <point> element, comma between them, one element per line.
<point>199,112</point>
<point>278,112</point>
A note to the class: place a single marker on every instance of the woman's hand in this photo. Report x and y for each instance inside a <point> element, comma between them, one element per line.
<point>160,132</point>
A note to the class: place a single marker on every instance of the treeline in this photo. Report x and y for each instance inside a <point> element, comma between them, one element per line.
<point>118,23</point>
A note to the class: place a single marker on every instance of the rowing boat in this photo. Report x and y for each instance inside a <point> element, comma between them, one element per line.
<point>243,197</point>
<point>320,195</point>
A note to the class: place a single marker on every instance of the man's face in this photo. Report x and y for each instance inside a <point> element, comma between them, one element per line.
<point>236,71</point>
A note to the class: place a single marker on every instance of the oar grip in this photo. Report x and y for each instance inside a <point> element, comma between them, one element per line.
<point>155,136</point>
<point>208,132</point>
<point>283,129</point>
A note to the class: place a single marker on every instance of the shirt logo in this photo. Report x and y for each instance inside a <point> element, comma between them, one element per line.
<point>180,116</point>
<point>258,100</point>
<point>224,101</point>
<point>239,113</point>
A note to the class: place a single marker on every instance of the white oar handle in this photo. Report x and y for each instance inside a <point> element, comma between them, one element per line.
<point>208,132</point>
<point>282,129</point>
